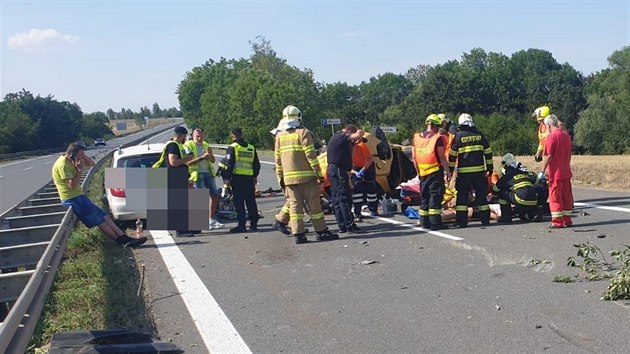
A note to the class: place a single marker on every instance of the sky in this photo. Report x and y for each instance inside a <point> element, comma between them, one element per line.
<point>115,54</point>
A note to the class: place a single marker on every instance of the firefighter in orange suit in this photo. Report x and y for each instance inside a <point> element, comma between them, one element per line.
<point>297,168</point>
<point>364,179</point>
<point>543,130</point>
<point>431,163</point>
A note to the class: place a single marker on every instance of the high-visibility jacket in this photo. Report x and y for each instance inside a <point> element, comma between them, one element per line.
<point>243,159</point>
<point>361,155</point>
<point>543,132</point>
<point>471,151</point>
<point>194,169</point>
<point>295,157</point>
<point>425,153</point>
<point>163,162</point>
<point>448,141</point>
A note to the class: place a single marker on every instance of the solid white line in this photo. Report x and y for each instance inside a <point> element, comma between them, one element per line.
<point>599,206</point>
<point>26,169</point>
<point>15,163</point>
<point>436,233</point>
<point>215,328</point>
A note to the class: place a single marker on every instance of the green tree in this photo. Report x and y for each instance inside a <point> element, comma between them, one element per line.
<point>156,112</point>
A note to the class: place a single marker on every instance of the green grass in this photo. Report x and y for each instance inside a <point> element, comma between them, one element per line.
<point>95,286</point>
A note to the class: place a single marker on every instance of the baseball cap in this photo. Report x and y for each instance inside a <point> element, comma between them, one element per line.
<point>181,130</point>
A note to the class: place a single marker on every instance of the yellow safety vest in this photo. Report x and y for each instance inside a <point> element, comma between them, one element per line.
<point>161,161</point>
<point>243,159</point>
<point>194,169</point>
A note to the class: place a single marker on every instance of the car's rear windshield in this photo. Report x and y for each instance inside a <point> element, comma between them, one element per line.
<point>145,161</point>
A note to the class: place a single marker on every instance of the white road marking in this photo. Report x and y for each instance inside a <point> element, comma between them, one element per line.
<point>16,162</point>
<point>436,233</point>
<point>48,163</point>
<point>215,328</point>
<point>604,207</point>
<point>28,168</point>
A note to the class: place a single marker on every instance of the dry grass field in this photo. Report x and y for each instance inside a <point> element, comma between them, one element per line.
<point>610,172</point>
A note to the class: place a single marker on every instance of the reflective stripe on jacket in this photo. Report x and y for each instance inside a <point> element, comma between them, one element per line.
<point>295,157</point>
<point>426,158</point>
<point>243,159</point>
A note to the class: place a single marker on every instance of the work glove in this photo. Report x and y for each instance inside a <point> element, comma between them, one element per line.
<point>537,157</point>
<point>540,177</point>
<point>360,174</point>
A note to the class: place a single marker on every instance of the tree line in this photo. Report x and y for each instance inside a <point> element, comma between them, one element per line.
<point>500,91</point>
<point>29,122</point>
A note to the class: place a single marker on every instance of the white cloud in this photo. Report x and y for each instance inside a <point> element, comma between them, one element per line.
<point>41,40</point>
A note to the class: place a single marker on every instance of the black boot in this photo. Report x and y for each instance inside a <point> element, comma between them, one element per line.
<point>282,227</point>
<point>506,214</point>
<point>326,235</point>
<point>300,238</point>
<point>240,228</point>
<point>461,219</point>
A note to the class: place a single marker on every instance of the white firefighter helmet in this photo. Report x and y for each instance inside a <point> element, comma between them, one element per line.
<point>293,116</point>
<point>466,119</point>
<point>508,159</point>
<point>444,118</point>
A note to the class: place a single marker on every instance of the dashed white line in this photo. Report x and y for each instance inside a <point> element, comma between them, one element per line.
<point>216,330</point>
<point>28,168</point>
<point>48,163</point>
<point>604,207</point>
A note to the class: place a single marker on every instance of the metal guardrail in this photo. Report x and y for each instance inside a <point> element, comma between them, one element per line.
<point>33,236</point>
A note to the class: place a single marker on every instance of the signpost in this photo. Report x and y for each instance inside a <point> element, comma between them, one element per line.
<point>389,129</point>
<point>331,122</point>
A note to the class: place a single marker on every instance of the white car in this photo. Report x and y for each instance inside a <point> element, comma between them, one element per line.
<point>143,156</point>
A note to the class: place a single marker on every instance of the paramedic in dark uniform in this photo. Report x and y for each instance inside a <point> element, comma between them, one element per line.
<point>241,175</point>
<point>339,157</point>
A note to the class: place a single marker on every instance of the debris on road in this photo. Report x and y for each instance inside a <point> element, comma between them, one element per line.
<point>601,236</point>
<point>538,326</point>
<point>497,307</point>
<point>368,262</point>
<point>583,213</point>
<point>404,287</point>
<point>365,243</point>
<point>583,230</point>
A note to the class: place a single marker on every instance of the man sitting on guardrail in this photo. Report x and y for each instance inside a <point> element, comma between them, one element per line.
<point>66,174</point>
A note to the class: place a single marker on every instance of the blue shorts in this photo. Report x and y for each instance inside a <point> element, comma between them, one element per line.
<point>86,211</point>
<point>206,180</point>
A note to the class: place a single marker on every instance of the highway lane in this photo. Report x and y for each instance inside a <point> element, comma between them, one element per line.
<point>490,291</point>
<point>19,179</point>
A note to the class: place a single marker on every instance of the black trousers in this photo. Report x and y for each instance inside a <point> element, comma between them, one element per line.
<point>244,194</point>
<point>340,196</point>
<point>525,212</point>
<point>431,195</point>
<point>466,182</point>
<point>365,191</point>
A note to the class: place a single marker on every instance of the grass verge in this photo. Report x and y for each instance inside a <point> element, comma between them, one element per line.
<point>95,286</point>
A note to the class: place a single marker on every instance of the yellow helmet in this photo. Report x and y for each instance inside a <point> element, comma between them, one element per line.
<point>541,112</point>
<point>433,119</point>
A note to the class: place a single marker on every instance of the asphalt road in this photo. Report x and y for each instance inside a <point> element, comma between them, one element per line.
<point>19,179</point>
<point>425,292</point>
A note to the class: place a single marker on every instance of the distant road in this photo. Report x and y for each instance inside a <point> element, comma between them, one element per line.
<point>19,179</point>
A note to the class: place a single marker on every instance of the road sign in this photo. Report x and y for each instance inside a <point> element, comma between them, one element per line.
<point>389,129</point>
<point>331,121</point>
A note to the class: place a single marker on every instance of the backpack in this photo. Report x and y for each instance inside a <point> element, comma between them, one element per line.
<point>383,149</point>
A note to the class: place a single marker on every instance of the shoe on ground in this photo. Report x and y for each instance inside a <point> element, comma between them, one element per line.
<point>184,233</point>
<point>238,229</point>
<point>277,225</point>
<point>215,224</point>
<point>374,213</point>
<point>126,241</point>
<point>253,227</point>
<point>438,227</point>
<point>354,229</point>
<point>358,219</point>
<point>459,226</point>
<point>326,235</point>
<point>504,221</point>
<point>343,231</point>
<point>300,238</point>
<point>555,226</point>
